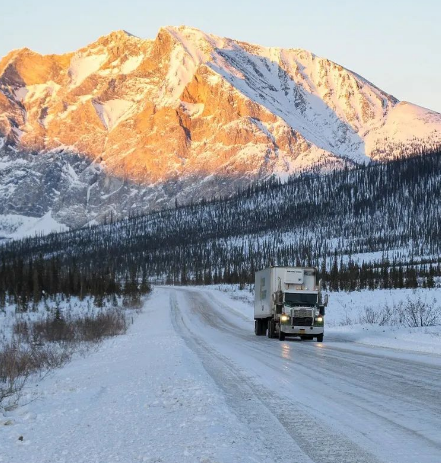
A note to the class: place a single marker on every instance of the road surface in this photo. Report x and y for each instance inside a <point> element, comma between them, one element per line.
<point>322,402</point>
<point>190,382</point>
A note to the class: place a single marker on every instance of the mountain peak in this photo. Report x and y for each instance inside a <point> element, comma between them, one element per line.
<point>120,34</point>
<point>129,34</point>
<point>183,28</point>
<point>116,38</point>
<point>193,105</point>
<point>192,37</point>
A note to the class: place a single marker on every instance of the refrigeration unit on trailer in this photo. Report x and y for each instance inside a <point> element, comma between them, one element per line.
<point>288,302</point>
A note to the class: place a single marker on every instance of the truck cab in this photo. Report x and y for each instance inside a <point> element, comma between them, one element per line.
<point>288,302</point>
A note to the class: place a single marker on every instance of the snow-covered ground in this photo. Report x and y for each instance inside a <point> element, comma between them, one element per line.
<point>69,308</point>
<point>142,397</point>
<point>15,226</point>
<point>190,382</point>
<point>346,313</point>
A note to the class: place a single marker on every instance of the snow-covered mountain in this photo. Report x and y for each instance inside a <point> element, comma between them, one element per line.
<point>127,124</point>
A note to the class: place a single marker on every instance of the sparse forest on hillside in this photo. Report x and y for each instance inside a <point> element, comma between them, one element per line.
<point>367,227</point>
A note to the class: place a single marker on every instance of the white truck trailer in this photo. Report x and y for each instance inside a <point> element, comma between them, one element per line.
<point>288,302</point>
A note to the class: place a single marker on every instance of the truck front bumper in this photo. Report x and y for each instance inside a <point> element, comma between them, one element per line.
<point>302,330</point>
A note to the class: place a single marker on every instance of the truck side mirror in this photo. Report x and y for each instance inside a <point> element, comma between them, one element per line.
<point>326,300</point>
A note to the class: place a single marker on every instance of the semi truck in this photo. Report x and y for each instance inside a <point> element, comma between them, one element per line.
<point>288,302</point>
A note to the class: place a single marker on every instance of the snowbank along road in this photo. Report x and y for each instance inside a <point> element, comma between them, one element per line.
<point>192,383</point>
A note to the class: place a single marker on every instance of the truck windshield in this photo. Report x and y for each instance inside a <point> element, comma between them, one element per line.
<point>298,299</point>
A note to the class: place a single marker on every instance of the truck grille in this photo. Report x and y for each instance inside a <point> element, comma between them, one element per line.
<point>302,321</point>
<point>301,313</point>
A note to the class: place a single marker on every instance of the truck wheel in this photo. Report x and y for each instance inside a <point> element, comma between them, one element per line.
<point>271,328</point>
<point>259,327</point>
<point>281,335</point>
<point>320,338</point>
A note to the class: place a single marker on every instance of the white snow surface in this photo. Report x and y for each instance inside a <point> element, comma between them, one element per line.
<point>112,112</point>
<point>82,66</point>
<point>14,226</point>
<point>346,309</point>
<point>334,109</point>
<point>190,382</point>
<point>30,93</point>
<point>142,397</point>
<point>131,64</point>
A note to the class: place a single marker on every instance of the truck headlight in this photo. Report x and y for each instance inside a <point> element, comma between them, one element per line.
<point>319,319</point>
<point>284,318</point>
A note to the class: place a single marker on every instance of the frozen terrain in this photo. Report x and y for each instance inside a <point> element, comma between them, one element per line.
<point>347,312</point>
<point>20,226</point>
<point>192,383</point>
<point>125,125</point>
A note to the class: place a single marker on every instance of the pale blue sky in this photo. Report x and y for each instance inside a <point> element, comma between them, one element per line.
<point>392,43</point>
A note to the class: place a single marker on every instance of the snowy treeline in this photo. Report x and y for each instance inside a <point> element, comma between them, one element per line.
<point>371,226</point>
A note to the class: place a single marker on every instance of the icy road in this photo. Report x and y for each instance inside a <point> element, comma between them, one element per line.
<point>192,383</point>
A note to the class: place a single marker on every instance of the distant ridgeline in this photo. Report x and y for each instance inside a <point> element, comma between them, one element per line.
<point>366,227</point>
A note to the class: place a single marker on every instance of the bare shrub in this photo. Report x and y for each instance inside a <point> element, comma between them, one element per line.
<point>93,329</point>
<point>49,343</point>
<point>346,321</point>
<point>15,367</point>
<point>53,330</point>
<point>380,317</point>
<point>369,316</point>
<point>416,312</point>
<point>386,316</point>
<point>19,361</point>
<point>90,328</point>
<point>20,329</point>
<point>50,356</point>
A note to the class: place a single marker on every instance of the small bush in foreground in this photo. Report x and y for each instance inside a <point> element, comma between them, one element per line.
<point>93,329</point>
<point>49,343</point>
<point>19,361</point>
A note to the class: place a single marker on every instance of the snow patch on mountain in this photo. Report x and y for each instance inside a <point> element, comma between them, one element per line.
<point>181,71</point>
<point>266,84</point>
<point>112,112</point>
<point>13,226</point>
<point>406,123</point>
<point>82,66</point>
<point>192,48</point>
<point>20,93</point>
<point>131,64</point>
<point>192,109</point>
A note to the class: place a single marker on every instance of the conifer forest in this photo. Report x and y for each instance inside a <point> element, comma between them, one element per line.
<point>375,226</point>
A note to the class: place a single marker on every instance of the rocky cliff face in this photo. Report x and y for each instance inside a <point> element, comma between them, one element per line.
<point>127,124</point>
